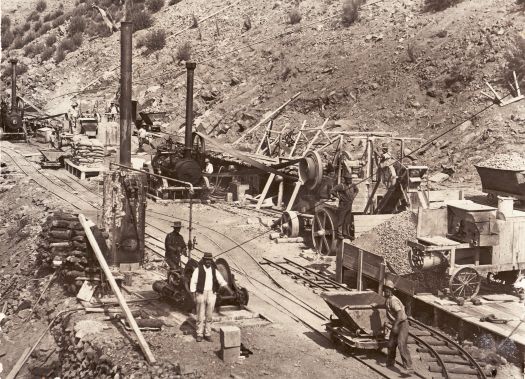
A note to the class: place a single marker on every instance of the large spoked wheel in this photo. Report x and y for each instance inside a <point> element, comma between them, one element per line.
<point>290,224</point>
<point>324,232</point>
<point>465,283</point>
<point>198,148</point>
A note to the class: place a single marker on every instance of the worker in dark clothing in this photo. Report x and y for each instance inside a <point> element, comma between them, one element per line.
<point>399,333</point>
<point>346,192</point>
<point>175,246</point>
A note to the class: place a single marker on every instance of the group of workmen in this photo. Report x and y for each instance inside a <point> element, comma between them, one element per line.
<point>206,281</point>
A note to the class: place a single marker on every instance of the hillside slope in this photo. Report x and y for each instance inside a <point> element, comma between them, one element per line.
<point>397,68</point>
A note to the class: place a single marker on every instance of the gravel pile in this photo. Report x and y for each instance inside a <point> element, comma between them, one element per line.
<point>505,162</point>
<point>389,240</point>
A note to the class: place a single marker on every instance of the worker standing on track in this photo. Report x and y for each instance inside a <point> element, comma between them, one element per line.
<point>346,192</point>
<point>205,282</point>
<point>72,116</point>
<point>175,247</point>
<point>399,334</point>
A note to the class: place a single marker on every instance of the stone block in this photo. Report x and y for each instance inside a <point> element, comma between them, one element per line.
<point>230,336</point>
<point>231,354</point>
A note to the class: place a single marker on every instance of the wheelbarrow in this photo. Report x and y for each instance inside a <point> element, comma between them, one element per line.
<point>360,319</point>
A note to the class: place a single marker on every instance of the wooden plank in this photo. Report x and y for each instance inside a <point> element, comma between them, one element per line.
<point>359,270</point>
<point>432,222</point>
<point>443,195</point>
<point>116,290</point>
<point>265,190</point>
<point>18,365</point>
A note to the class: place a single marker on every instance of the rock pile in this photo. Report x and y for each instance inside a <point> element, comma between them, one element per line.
<point>87,152</point>
<point>63,242</point>
<point>505,162</point>
<point>389,240</point>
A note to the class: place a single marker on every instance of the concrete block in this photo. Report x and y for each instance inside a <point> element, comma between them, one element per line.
<point>230,336</point>
<point>231,354</point>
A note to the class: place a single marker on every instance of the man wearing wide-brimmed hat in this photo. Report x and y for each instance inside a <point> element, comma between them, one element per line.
<point>346,192</point>
<point>204,285</point>
<point>399,332</point>
<point>175,246</point>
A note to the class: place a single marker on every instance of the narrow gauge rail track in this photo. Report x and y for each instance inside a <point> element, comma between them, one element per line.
<point>446,359</point>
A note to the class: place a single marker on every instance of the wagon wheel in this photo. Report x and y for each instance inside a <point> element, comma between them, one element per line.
<point>465,283</point>
<point>324,232</point>
<point>198,148</point>
<point>290,224</point>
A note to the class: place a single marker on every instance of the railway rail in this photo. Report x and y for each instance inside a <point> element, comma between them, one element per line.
<point>442,357</point>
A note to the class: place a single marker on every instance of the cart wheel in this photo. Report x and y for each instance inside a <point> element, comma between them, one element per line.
<point>465,283</point>
<point>324,231</point>
<point>290,224</point>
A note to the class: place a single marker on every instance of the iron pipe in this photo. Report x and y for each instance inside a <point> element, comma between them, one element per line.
<point>13,84</point>
<point>190,67</point>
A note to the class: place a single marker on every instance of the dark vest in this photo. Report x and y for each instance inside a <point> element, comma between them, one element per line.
<point>202,278</point>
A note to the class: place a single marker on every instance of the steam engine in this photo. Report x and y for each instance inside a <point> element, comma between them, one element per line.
<point>11,122</point>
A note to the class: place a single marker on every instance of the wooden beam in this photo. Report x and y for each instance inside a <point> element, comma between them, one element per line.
<point>18,365</point>
<point>297,139</point>
<point>315,136</point>
<point>280,194</point>
<point>298,185</point>
<point>518,92</point>
<point>116,290</point>
<point>266,119</point>
<point>265,191</point>
<point>360,270</point>
<point>268,128</point>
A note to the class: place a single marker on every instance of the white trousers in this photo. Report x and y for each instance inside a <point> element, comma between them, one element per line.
<point>205,304</point>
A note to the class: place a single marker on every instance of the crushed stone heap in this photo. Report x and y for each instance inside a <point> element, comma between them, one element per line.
<point>512,161</point>
<point>389,240</point>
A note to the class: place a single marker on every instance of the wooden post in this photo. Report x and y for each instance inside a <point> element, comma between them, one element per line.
<point>265,191</point>
<point>297,139</point>
<point>280,194</point>
<point>122,302</point>
<point>266,133</point>
<point>298,185</point>
<point>339,269</point>
<point>381,279</point>
<point>360,270</point>
<point>310,144</point>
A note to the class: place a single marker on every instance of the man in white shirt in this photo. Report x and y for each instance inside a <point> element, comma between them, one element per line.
<point>205,282</point>
<point>208,168</point>
<point>142,138</point>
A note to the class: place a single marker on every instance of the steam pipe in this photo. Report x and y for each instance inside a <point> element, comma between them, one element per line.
<point>14,104</point>
<point>190,67</point>
<point>125,92</point>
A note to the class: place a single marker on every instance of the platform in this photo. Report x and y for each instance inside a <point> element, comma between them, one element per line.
<point>502,306</point>
<point>83,172</point>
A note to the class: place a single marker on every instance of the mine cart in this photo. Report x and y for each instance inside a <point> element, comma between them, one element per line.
<point>360,321</point>
<point>465,240</point>
<point>53,158</point>
<point>500,182</point>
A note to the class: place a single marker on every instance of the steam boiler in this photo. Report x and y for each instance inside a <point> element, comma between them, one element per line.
<point>11,120</point>
<point>177,161</point>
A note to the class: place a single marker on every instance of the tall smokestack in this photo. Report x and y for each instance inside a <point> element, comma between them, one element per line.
<point>190,66</point>
<point>125,92</point>
<point>13,84</point>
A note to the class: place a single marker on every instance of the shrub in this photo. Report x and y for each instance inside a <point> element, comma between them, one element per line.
<point>141,20</point>
<point>6,23</point>
<point>58,21</point>
<point>48,17</point>
<point>26,27</point>
<point>45,28</point>
<point>41,6</point>
<point>7,38</point>
<point>350,12</point>
<point>515,58</point>
<point>33,16</point>
<point>18,42</point>
<point>59,55</point>
<point>154,5</point>
<point>195,22</point>
<point>153,41</point>
<point>33,49</point>
<point>37,25</point>
<point>98,29</point>
<point>50,40</point>
<point>77,25</point>
<point>184,52</point>
<point>439,5</point>
<point>294,16</point>
<point>29,37</point>
<point>77,40</point>
<point>47,53</point>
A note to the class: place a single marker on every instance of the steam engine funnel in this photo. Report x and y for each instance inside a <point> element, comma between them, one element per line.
<point>13,84</point>
<point>125,92</point>
<point>190,66</point>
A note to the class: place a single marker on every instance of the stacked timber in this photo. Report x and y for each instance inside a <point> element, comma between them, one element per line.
<point>63,243</point>
<point>87,152</point>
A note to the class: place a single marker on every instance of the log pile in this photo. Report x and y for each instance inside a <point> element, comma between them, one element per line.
<point>63,240</point>
<point>87,152</point>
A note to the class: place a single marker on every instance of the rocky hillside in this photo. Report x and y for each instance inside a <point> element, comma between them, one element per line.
<point>412,66</point>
